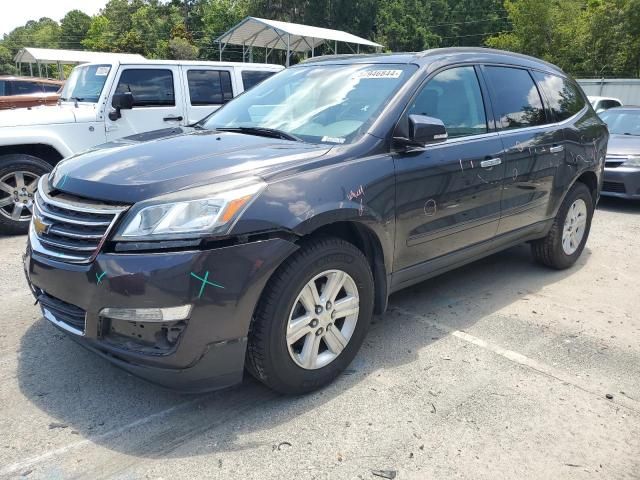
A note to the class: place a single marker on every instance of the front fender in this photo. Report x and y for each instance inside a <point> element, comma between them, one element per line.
<point>359,191</point>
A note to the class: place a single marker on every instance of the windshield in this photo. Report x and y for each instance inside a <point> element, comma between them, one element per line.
<point>85,84</point>
<point>622,122</point>
<point>317,103</point>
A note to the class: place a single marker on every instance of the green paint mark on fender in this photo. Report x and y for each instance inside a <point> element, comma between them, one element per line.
<point>205,281</point>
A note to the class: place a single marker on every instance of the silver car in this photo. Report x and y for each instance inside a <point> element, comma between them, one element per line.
<point>622,165</point>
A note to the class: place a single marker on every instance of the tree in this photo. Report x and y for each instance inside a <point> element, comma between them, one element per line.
<point>73,29</point>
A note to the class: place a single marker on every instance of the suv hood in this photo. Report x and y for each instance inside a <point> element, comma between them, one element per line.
<point>48,115</point>
<point>623,145</point>
<point>147,165</point>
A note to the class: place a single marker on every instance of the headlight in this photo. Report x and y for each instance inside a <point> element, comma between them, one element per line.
<point>632,161</point>
<point>193,213</point>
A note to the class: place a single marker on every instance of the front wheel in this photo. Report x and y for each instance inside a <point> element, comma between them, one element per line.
<point>564,243</point>
<point>19,175</point>
<point>312,317</point>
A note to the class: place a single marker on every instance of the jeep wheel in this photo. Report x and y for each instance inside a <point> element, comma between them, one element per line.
<point>19,175</point>
<point>312,317</point>
<point>564,243</point>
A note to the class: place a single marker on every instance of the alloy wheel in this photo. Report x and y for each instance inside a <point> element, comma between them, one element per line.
<point>323,319</point>
<point>16,195</point>
<point>574,226</point>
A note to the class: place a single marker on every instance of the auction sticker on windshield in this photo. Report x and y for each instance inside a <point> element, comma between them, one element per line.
<point>379,74</point>
<point>102,71</point>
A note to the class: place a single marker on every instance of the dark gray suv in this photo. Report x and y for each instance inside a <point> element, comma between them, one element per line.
<point>268,234</point>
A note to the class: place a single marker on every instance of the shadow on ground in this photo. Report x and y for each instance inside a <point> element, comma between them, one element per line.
<point>97,401</point>
<point>620,205</point>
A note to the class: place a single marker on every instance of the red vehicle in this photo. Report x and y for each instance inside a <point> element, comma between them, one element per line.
<point>20,92</point>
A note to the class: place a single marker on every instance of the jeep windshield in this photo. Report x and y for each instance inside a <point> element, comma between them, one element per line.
<point>314,103</point>
<point>85,84</point>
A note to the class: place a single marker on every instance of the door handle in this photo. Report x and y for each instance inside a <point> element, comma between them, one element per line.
<point>557,149</point>
<point>171,118</point>
<point>491,162</point>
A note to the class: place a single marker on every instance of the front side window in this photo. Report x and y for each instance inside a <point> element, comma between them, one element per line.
<point>150,87</point>
<point>565,100</point>
<point>516,100</point>
<point>454,97</point>
<point>85,83</point>
<point>251,78</point>
<point>317,103</point>
<point>209,87</point>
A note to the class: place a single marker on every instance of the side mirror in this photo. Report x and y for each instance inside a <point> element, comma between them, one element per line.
<point>120,101</point>
<point>423,131</point>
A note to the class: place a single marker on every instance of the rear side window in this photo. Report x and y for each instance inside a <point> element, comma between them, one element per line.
<point>516,100</point>
<point>565,100</point>
<point>209,87</point>
<point>606,104</point>
<point>150,87</point>
<point>454,97</point>
<point>250,78</point>
<point>25,88</point>
<point>2,88</point>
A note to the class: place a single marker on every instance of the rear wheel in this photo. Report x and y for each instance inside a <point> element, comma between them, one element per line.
<point>312,317</point>
<point>19,175</point>
<point>564,243</point>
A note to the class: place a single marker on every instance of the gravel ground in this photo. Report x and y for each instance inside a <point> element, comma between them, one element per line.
<point>501,369</point>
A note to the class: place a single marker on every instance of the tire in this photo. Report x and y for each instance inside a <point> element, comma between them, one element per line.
<point>551,250</point>
<point>31,169</point>
<point>270,358</point>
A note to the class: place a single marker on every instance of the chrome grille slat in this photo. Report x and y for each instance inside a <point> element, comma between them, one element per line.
<point>63,232</point>
<point>66,229</point>
<point>68,246</point>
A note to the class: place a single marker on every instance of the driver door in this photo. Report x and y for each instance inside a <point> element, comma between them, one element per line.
<point>158,100</point>
<point>448,194</point>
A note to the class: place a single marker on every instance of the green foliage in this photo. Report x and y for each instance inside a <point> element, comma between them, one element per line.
<point>585,37</point>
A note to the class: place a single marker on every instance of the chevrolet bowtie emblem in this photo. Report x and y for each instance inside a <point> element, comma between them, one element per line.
<point>41,227</point>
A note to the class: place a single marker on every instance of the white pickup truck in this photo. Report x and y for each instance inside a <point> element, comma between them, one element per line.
<point>101,102</point>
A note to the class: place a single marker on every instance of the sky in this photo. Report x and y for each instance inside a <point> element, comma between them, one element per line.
<point>26,10</point>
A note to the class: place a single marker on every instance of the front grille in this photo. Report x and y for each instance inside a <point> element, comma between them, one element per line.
<point>62,312</point>
<point>68,228</point>
<point>613,187</point>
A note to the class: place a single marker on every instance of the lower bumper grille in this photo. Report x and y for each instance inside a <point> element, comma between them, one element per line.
<point>614,187</point>
<point>64,314</point>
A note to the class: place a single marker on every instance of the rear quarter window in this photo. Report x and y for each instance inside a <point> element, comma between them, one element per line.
<point>564,97</point>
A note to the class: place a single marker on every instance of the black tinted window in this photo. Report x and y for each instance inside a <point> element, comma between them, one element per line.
<point>565,100</point>
<point>606,104</point>
<point>150,87</point>
<point>25,88</point>
<point>516,99</point>
<point>50,87</point>
<point>454,97</point>
<point>209,87</point>
<point>250,78</point>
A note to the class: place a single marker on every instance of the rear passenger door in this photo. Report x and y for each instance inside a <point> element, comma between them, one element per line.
<point>448,196</point>
<point>533,147</point>
<point>207,90</point>
<point>158,101</point>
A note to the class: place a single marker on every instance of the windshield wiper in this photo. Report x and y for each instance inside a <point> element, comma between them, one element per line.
<point>262,131</point>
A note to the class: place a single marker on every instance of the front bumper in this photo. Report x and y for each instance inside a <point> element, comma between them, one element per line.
<point>209,347</point>
<point>622,182</point>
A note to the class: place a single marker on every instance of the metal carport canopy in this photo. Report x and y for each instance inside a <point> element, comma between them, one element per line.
<point>51,55</point>
<point>292,37</point>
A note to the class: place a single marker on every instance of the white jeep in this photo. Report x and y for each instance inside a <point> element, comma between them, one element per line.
<point>101,102</point>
